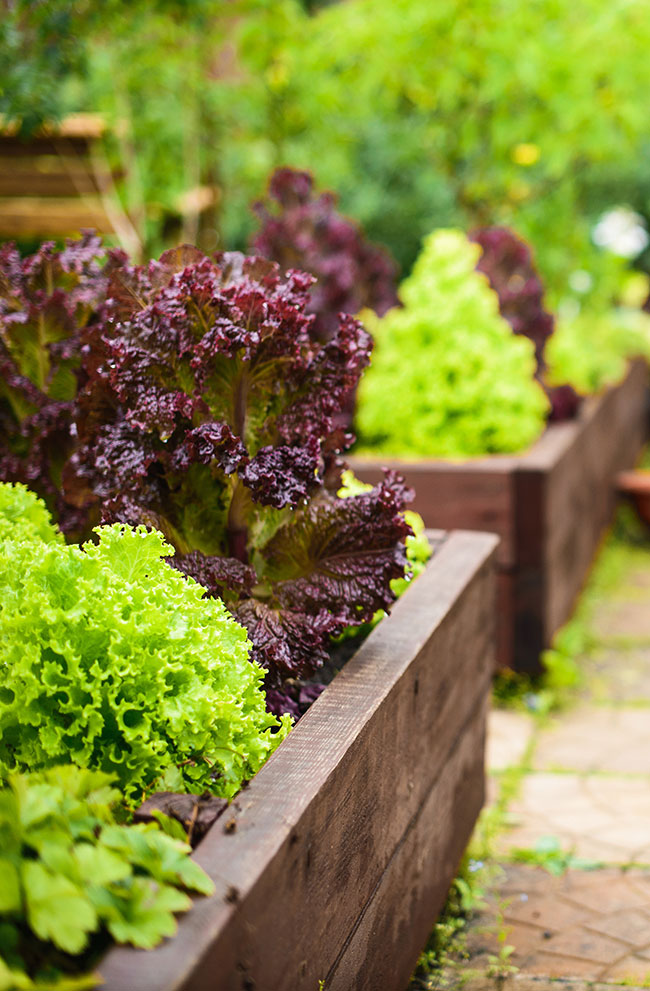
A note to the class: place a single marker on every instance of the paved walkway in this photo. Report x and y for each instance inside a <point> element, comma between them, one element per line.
<point>569,850</point>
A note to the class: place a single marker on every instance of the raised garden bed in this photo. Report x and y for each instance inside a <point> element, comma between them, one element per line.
<point>333,864</point>
<point>549,506</point>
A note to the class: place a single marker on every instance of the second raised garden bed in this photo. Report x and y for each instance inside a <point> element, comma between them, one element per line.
<point>549,506</point>
<point>334,863</point>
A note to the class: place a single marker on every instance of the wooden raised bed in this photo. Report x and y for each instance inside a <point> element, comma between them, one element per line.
<point>334,863</point>
<point>550,507</point>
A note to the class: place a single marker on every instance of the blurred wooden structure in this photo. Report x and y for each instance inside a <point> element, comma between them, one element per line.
<point>57,182</point>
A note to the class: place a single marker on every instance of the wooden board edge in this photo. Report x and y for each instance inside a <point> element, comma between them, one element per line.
<point>476,552</point>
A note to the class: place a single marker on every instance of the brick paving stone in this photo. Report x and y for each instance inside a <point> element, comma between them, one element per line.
<point>577,942</point>
<point>555,965</point>
<point>546,912</point>
<point>525,982</point>
<point>630,926</point>
<point>508,736</point>
<point>598,818</point>
<point>616,676</point>
<point>589,789</point>
<point>632,837</point>
<point>597,739</point>
<point>638,578</point>
<point>578,925</point>
<point>631,968</point>
<point>623,620</point>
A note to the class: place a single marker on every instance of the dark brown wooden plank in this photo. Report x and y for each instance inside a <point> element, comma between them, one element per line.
<point>12,146</point>
<point>470,495</point>
<point>35,217</point>
<point>550,506</point>
<point>398,920</point>
<point>72,184</point>
<point>581,489</point>
<point>317,829</point>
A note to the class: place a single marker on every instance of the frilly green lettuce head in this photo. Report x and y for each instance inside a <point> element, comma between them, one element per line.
<point>23,516</point>
<point>448,377</point>
<point>115,661</point>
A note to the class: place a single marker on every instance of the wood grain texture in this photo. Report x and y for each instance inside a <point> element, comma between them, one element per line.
<point>550,507</point>
<point>45,217</point>
<point>12,146</point>
<point>581,490</point>
<point>62,183</point>
<point>465,495</point>
<point>396,925</point>
<point>389,758</point>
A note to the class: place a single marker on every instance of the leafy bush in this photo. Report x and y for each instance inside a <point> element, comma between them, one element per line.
<point>304,231</point>
<point>46,300</point>
<point>448,377</point>
<point>211,418</point>
<point>591,350</point>
<point>114,661</point>
<point>72,877</point>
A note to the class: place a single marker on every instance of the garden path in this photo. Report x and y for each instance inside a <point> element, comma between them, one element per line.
<point>566,835</point>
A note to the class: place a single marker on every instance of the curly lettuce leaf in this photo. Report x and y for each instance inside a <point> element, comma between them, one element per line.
<point>118,662</point>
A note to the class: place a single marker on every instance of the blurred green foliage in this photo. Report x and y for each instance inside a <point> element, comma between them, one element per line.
<point>591,349</point>
<point>418,114</point>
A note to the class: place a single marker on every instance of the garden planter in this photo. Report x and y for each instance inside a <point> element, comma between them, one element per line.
<point>333,864</point>
<point>549,506</point>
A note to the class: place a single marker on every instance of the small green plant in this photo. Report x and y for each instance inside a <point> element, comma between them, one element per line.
<point>71,878</point>
<point>466,896</point>
<point>469,380</point>
<point>549,854</point>
<point>500,966</point>
<point>113,660</point>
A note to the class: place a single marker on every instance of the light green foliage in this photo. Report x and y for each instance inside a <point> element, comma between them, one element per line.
<point>549,853</point>
<point>513,105</point>
<point>448,377</point>
<point>113,660</point>
<point>531,115</point>
<point>68,873</point>
<point>590,350</point>
<point>24,517</point>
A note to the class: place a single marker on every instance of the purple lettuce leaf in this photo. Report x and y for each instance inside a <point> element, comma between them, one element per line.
<point>225,577</point>
<point>341,551</point>
<point>507,263</point>
<point>47,300</point>
<point>302,230</point>
<point>209,411</point>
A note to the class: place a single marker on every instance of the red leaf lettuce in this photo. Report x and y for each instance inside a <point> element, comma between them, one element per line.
<point>45,302</point>
<point>209,412</point>
<point>301,230</point>
<point>507,263</point>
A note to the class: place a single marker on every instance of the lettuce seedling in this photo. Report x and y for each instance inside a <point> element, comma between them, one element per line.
<point>71,878</point>
<point>114,661</point>
<point>209,413</point>
<point>302,230</point>
<point>45,302</point>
